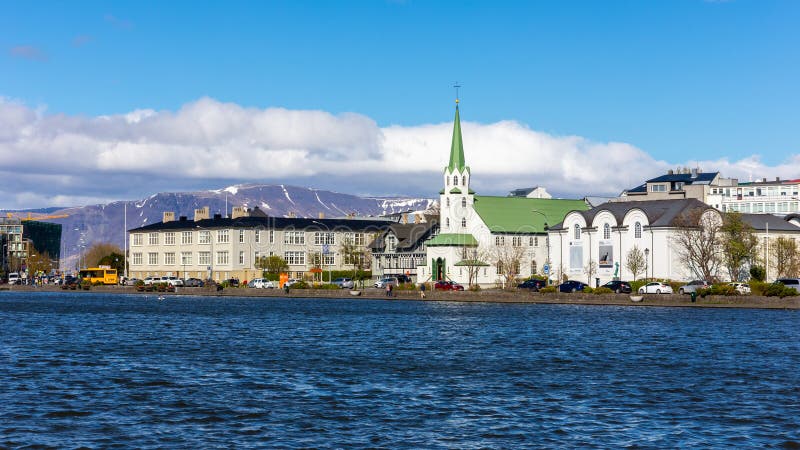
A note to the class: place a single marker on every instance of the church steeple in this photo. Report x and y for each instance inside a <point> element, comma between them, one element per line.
<point>457,146</point>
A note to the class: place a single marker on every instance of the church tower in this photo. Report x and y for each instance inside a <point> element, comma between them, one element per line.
<point>456,198</point>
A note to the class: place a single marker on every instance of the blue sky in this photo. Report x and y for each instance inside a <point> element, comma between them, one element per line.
<point>684,81</point>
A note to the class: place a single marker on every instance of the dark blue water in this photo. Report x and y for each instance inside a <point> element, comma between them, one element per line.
<point>92,370</point>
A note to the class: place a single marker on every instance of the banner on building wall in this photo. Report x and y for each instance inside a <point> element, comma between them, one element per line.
<point>605,258</point>
<point>576,258</point>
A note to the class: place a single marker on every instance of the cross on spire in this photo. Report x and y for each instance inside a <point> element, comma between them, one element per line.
<point>456,86</point>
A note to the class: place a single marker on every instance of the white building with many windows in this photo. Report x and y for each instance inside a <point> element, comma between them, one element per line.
<point>220,248</point>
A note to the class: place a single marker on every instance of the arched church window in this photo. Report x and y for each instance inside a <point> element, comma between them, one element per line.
<point>606,231</point>
<point>577,232</point>
<point>464,202</point>
<point>637,230</point>
<point>464,223</point>
<point>447,222</point>
<point>464,180</point>
<point>534,268</point>
<point>455,180</point>
<point>448,202</point>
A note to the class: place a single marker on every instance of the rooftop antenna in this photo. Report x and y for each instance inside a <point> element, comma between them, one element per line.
<point>457,86</point>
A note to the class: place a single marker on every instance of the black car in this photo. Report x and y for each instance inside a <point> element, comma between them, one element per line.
<point>233,282</point>
<point>532,284</point>
<point>571,286</point>
<point>619,287</point>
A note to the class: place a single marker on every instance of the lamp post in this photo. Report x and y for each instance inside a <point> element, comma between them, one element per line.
<point>646,263</point>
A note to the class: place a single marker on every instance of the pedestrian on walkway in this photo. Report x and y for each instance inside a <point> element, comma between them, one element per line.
<point>422,290</point>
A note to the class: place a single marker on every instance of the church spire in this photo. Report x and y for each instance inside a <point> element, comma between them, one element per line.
<point>457,147</point>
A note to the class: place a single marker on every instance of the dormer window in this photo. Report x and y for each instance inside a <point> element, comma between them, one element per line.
<point>577,232</point>
<point>637,230</point>
<point>606,231</point>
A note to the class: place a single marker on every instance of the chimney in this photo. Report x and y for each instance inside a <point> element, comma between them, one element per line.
<point>182,218</point>
<point>321,215</point>
<point>168,216</point>
<point>238,211</point>
<point>291,215</point>
<point>217,216</point>
<point>777,178</point>
<point>670,172</point>
<point>201,214</point>
<point>694,173</point>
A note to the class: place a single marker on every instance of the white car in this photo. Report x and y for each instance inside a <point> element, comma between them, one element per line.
<point>384,281</point>
<point>742,288</point>
<point>261,283</point>
<point>13,278</point>
<point>655,287</point>
<point>150,280</point>
<point>175,281</point>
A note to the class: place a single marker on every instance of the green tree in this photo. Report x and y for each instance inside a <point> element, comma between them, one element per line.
<point>114,260</point>
<point>272,265</point>
<point>98,251</point>
<point>739,244</point>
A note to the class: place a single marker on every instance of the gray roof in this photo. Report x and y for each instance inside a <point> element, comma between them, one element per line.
<point>776,223</point>
<point>409,235</point>
<point>297,223</point>
<point>660,213</point>
<point>685,178</point>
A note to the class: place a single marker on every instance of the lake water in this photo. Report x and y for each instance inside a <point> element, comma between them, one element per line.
<point>85,369</point>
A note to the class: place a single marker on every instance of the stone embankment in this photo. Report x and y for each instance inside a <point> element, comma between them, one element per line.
<point>488,295</point>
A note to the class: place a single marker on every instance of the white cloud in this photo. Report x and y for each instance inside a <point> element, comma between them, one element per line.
<point>56,159</point>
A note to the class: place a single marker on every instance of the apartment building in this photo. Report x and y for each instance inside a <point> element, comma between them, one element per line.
<point>220,248</point>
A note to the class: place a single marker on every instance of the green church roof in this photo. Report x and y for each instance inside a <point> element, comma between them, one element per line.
<point>453,239</point>
<point>518,215</point>
<point>455,191</point>
<point>457,147</point>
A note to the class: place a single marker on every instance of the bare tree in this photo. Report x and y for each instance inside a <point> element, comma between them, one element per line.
<point>507,258</point>
<point>739,244</point>
<point>784,253</point>
<point>591,270</point>
<point>635,262</point>
<point>39,262</point>
<point>698,243</point>
<point>474,259</point>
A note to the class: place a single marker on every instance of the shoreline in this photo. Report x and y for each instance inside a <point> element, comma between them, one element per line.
<point>486,296</point>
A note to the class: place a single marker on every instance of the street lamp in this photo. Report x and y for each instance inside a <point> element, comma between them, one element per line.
<point>646,263</point>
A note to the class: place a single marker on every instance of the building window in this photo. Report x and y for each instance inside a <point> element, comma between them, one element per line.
<point>576,232</point>
<point>455,180</point>
<point>169,238</point>
<point>606,231</point>
<point>534,268</point>
<point>186,237</point>
<point>241,257</point>
<point>152,259</point>
<point>447,201</point>
<point>294,238</point>
<point>295,258</point>
<point>186,258</point>
<point>258,236</point>
<point>464,202</point>
<point>354,238</point>
<point>499,240</point>
<point>271,236</point>
<point>391,243</point>
<point>658,188</point>
<point>464,180</point>
<point>499,268</point>
<point>464,223</point>
<point>204,237</point>
<point>137,239</point>
<point>447,222</point>
<point>204,258</point>
<point>137,259</point>
<point>223,237</point>
<point>222,257</point>
<point>153,238</point>
<point>536,241</point>
<point>516,241</point>
<point>169,258</point>
<point>241,236</point>
<point>329,260</point>
<point>637,230</point>
<point>324,238</point>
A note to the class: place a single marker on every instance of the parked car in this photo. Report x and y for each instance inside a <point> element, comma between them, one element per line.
<point>571,286</point>
<point>742,288</point>
<point>446,285</point>
<point>401,278</point>
<point>261,283</point>
<point>130,281</point>
<point>193,282</point>
<point>692,286</point>
<point>384,281</point>
<point>532,284</point>
<point>232,282</point>
<point>70,282</point>
<point>13,278</point>
<point>619,287</point>
<point>150,280</point>
<point>790,282</point>
<point>290,282</point>
<point>174,281</point>
<point>655,287</point>
<point>343,283</point>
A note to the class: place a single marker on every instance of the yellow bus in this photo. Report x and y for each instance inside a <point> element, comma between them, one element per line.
<point>100,275</point>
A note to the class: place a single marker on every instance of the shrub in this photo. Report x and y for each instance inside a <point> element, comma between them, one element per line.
<point>635,285</point>
<point>758,273</point>
<point>474,288</point>
<point>779,290</point>
<point>405,287</point>
<point>758,287</point>
<point>602,290</point>
<point>548,290</point>
<point>325,286</point>
<point>300,285</point>
<point>718,289</point>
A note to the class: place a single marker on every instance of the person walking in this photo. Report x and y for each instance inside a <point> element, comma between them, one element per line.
<point>388,289</point>
<point>422,290</point>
